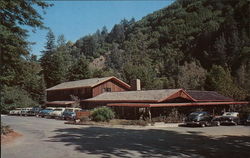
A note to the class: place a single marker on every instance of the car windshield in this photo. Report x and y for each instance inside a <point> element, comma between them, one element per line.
<point>58,110</point>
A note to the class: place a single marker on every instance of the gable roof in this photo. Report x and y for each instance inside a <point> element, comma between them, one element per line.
<point>92,82</point>
<point>207,96</point>
<point>138,96</point>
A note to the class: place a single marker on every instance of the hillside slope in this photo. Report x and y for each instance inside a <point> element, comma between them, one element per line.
<point>193,44</point>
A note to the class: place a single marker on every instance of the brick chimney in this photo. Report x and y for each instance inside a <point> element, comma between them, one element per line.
<point>136,85</point>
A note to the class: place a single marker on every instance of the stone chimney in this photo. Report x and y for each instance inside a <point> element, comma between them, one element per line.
<point>136,85</point>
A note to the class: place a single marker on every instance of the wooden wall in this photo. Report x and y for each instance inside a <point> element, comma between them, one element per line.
<point>63,95</point>
<point>115,87</point>
<point>84,93</point>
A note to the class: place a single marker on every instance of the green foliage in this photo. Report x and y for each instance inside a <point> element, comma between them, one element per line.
<point>15,97</point>
<point>20,77</point>
<point>191,76</point>
<point>79,70</point>
<point>102,114</point>
<point>15,14</point>
<point>220,80</point>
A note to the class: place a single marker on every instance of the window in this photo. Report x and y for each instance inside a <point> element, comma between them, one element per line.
<point>106,90</point>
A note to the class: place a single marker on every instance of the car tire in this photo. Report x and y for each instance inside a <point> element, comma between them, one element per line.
<point>203,125</point>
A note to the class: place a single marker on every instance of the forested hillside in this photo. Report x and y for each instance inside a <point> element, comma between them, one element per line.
<point>192,44</point>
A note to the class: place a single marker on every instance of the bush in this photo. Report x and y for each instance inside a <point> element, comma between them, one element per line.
<point>5,129</point>
<point>135,122</point>
<point>174,117</point>
<point>102,114</point>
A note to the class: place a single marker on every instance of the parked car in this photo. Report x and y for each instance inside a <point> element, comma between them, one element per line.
<point>216,121</point>
<point>70,113</point>
<point>16,111</point>
<point>45,112</point>
<point>230,118</point>
<point>34,111</point>
<point>56,113</point>
<point>24,111</point>
<point>248,120</point>
<point>199,119</point>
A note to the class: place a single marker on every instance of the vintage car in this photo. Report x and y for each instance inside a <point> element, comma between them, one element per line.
<point>45,112</point>
<point>216,121</point>
<point>230,118</point>
<point>70,113</point>
<point>248,120</point>
<point>198,119</point>
<point>17,111</point>
<point>24,111</point>
<point>34,111</point>
<point>56,113</point>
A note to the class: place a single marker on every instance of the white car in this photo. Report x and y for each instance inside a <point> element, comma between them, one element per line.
<point>17,111</point>
<point>233,114</point>
<point>24,111</point>
<point>57,113</point>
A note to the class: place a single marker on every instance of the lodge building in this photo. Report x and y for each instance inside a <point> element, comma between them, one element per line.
<point>128,101</point>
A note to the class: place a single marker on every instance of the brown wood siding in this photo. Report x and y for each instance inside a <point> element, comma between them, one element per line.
<point>63,95</point>
<point>115,87</point>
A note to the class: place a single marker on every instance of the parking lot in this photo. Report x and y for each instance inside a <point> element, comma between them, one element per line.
<point>48,138</point>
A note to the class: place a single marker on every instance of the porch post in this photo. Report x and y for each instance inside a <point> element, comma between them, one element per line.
<point>149,113</point>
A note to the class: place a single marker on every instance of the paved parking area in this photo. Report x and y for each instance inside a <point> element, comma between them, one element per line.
<point>46,138</point>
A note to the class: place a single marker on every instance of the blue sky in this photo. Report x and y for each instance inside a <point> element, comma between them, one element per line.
<point>76,19</point>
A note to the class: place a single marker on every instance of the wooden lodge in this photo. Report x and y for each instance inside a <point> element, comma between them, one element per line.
<point>60,95</point>
<point>155,103</point>
<point>130,101</point>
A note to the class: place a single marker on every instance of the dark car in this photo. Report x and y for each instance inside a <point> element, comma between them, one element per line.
<point>199,119</point>
<point>248,120</point>
<point>216,121</point>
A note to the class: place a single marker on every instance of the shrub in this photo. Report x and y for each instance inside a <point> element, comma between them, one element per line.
<point>174,117</point>
<point>135,122</point>
<point>5,129</point>
<point>102,114</point>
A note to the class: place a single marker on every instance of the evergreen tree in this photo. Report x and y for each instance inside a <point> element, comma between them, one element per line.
<point>19,75</point>
<point>46,60</point>
<point>79,70</point>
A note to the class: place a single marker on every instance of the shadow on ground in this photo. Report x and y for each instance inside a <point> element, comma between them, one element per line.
<point>151,143</point>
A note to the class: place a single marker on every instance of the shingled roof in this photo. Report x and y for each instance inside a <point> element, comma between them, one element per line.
<point>92,82</point>
<point>129,96</point>
<point>207,96</point>
<point>158,96</point>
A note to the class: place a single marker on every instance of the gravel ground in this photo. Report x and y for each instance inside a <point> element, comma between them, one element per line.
<point>47,138</point>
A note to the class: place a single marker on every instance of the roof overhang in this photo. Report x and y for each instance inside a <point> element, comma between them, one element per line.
<point>175,104</point>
